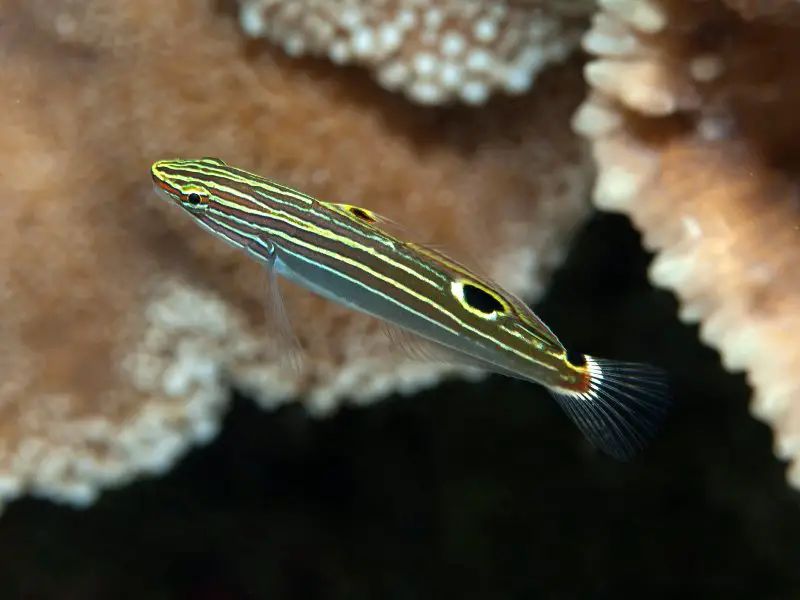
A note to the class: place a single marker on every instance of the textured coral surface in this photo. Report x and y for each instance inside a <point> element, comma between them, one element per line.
<point>433,51</point>
<point>694,124</point>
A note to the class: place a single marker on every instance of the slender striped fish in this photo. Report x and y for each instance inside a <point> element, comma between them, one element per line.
<point>426,299</point>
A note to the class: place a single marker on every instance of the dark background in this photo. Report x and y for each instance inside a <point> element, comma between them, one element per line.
<point>467,491</point>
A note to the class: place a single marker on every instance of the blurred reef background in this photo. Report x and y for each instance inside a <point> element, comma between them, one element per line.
<point>473,490</point>
<point>150,445</point>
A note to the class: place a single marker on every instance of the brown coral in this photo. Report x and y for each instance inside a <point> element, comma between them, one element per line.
<point>694,125</point>
<point>434,51</point>
<point>123,322</point>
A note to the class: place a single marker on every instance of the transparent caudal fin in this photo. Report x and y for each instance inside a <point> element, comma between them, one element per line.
<point>619,405</point>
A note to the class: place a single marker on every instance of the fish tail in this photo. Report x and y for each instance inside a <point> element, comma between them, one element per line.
<point>617,405</point>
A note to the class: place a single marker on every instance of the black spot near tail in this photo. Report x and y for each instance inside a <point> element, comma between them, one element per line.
<point>576,359</point>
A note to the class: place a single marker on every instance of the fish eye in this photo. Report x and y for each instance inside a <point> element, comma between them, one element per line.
<point>362,214</point>
<point>576,359</point>
<point>194,202</point>
<point>478,299</point>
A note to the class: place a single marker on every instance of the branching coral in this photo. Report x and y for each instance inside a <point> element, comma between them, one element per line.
<point>435,51</point>
<point>694,126</point>
<point>124,323</point>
